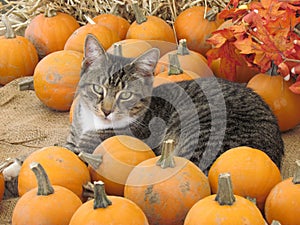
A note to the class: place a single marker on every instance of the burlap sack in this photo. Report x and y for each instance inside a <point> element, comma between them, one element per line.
<point>26,125</point>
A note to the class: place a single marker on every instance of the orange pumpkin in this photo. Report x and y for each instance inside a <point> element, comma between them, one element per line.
<point>49,31</point>
<point>45,204</point>
<point>224,208</point>
<point>129,48</point>
<point>175,73</point>
<point>119,155</point>
<point>63,167</point>
<point>56,77</point>
<point>2,186</point>
<point>283,202</point>
<point>189,60</point>
<point>163,46</point>
<point>149,27</point>
<point>196,24</point>
<point>104,35</point>
<point>253,173</point>
<point>166,187</point>
<point>276,93</point>
<point>18,56</point>
<point>113,22</point>
<point>103,210</point>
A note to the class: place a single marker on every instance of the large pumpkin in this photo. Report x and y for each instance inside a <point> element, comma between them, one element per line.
<point>224,208</point>
<point>253,173</point>
<point>119,155</point>
<point>130,48</point>
<point>166,187</point>
<point>113,22</point>
<point>103,34</point>
<point>196,24</point>
<point>49,31</point>
<point>103,210</point>
<point>189,60</point>
<point>149,27</point>
<point>45,204</point>
<point>18,56</point>
<point>56,77</point>
<point>283,202</point>
<point>276,93</point>
<point>63,167</point>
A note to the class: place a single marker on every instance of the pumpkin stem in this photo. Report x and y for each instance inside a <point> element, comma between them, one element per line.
<point>275,222</point>
<point>225,194</point>
<point>296,178</point>
<point>88,190</point>
<point>101,200</point>
<point>167,160</point>
<point>273,69</point>
<point>139,16</point>
<point>10,33</point>
<point>94,160</point>
<point>211,15</point>
<point>44,185</point>
<point>118,49</point>
<point>182,48</point>
<point>174,65</point>
<point>50,12</point>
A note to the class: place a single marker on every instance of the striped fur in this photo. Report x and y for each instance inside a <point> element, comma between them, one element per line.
<point>205,117</point>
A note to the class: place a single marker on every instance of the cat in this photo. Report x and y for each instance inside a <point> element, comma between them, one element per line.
<point>205,116</point>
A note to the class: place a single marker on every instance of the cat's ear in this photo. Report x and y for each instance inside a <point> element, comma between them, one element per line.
<point>146,62</point>
<point>92,49</point>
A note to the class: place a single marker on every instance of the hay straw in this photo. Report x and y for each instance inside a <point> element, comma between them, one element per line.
<point>21,12</point>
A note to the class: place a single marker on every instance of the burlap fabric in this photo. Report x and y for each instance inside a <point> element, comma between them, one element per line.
<point>26,125</point>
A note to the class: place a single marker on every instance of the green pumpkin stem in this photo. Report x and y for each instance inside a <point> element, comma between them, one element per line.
<point>166,159</point>
<point>139,16</point>
<point>94,160</point>
<point>225,194</point>
<point>211,15</point>
<point>10,33</point>
<point>182,48</point>
<point>100,198</point>
<point>174,65</point>
<point>117,49</point>
<point>296,178</point>
<point>44,186</point>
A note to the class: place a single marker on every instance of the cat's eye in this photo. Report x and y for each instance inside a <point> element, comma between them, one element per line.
<point>125,95</point>
<point>98,89</point>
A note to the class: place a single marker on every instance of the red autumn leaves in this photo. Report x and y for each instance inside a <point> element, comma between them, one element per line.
<point>261,33</point>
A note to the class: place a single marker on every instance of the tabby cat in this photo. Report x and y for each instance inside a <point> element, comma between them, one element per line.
<point>204,117</point>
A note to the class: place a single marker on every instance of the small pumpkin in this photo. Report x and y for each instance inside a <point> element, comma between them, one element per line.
<point>196,24</point>
<point>45,204</point>
<point>103,210</point>
<point>63,167</point>
<point>56,77</point>
<point>130,48</point>
<point>166,187</point>
<point>224,208</point>
<point>104,35</point>
<point>253,173</point>
<point>149,27</point>
<point>49,31</point>
<point>113,22</point>
<point>276,93</point>
<point>189,60</point>
<point>118,156</point>
<point>283,202</point>
<point>18,56</point>
<point>175,73</point>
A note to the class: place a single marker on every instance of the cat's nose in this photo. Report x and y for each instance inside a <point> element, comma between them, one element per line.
<point>106,112</point>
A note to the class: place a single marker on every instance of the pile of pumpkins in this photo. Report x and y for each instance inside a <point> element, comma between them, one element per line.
<point>136,187</point>
<point>123,182</point>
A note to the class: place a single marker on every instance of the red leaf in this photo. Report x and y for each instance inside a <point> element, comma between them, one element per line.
<point>295,88</point>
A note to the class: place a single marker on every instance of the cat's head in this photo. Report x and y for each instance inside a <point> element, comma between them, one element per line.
<point>116,89</point>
